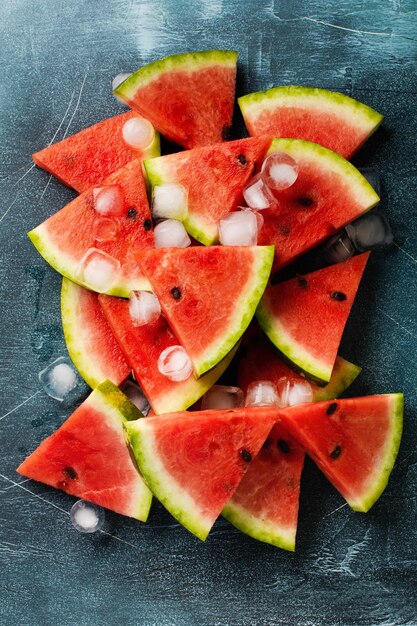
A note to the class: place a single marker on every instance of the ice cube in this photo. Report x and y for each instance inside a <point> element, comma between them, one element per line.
<point>171,234</point>
<point>136,395</point>
<point>170,201</point>
<point>109,201</point>
<point>291,393</point>
<point>87,517</point>
<point>118,80</point>
<point>59,379</point>
<point>144,307</point>
<point>222,397</point>
<point>261,393</point>
<point>339,248</point>
<point>279,171</point>
<point>98,270</point>
<point>138,133</point>
<point>257,195</point>
<point>239,228</point>
<point>175,364</point>
<point>370,231</point>
<point>105,229</point>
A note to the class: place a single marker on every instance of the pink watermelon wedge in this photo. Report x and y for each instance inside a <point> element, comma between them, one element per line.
<point>88,456</point>
<point>305,316</point>
<point>188,97</point>
<point>214,177</point>
<point>87,158</point>
<point>354,442</point>
<point>142,345</point>
<point>90,341</point>
<point>193,462</point>
<point>328,193</point>
<point>331,119</point>
<point>216,289</point>
<point>69,235</point>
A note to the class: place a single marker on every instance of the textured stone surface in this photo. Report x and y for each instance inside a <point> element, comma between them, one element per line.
<point>57,62</point>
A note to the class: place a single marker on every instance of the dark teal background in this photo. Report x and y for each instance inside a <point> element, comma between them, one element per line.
<point>57,60</point>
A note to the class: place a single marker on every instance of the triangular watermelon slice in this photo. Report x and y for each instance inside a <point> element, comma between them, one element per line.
<point>214,178</point>
<point>188,97</point>
<point>193,462</point>
<point>90,341</point>
<point>69,235</point>
<point>142,346</point>
<point>354,442</point>
<point>331,119</point>
<point>88,456</point>
<point>90,156</point>
<point>328,193</point>
<point>208,295</point>
<point>305,316</point>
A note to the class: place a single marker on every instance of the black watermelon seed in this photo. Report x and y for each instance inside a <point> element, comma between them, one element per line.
<point>176,293</point>
<point>147,224</point>
<point>242,159</point>
<point>305,201</point>
<point>303,282</point>
<point>338,295</point>
<point>283,446</point>
<point>331,408</point>
<point>334,454</point>
<point>246,456</point>
<point>266,443</point>
<point>70,472</point>
<point>285,230</point>
<point>132,213</point>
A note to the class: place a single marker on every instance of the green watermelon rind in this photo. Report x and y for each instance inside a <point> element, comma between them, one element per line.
<point>188,62</point>
<point>346,373</point>
<point>167,490</point>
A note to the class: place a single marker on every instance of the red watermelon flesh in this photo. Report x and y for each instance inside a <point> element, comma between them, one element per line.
<point>142,346</point>
<point>90,341</point>
<point>88,457</point>
<point>65,238</point>
<point>193,462</point>
<point>305,316</point>
<point>90,156</point>
<point>354,441</point>
<point>214,177</point>
<point>188,97</point>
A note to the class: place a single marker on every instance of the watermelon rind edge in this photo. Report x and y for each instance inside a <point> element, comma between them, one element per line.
<point>346,374</point>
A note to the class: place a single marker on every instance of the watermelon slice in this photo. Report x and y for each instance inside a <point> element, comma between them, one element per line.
<point>64,239</point>
<point>216,289</point>
<point>305,316</point>
<point>193,462</point>
<point>90,341</point>
<point>188,97</point>
<point>331,119</point>
<point>90,156</point>
<point>354,442</point>
<point>142,346</point>
<point>328,193</point>
<point>88,457</point>
<point>214,177</point>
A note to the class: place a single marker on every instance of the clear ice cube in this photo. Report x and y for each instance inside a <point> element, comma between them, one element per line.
<point>257,195</point>
<point>370,231</point>
<point>175,364</point>
<point>144,307</point>
<point>239,228</point>
<point>87,517</point>
<point>291,393</point>
<point>60,379</point>
<point>170,201</point>
<point>171,234</point>
<point>261,393</point>
<point>105,229</point>
<point>279,171</point>
<point>222,397</point>
<point>136,395</point>
<point>98,270</point>
<point>138,133</point>
<point>339,248</point>
<point>109,201</point>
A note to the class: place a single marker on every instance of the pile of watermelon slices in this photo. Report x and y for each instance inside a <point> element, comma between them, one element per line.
<point>219,303</point>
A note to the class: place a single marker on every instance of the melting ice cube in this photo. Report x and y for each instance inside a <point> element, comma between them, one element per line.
<point>59,379</point>
<point>98,270</point>
<point>369,231</point>
<point>261,393</point>
<point>105,229</point>
<point>118,80</point>
<point>239,228</point>
<point>144,307</point>
<point>87,517</point>
<point>138,133</point>
<point>339,248</point>
<point>175,364</point>
<point>136,395</point>
<point>170,201</point>
<point>257,195</point>
<point>171,234</point>
<point>279,171</point>
<point>108,201</point>
<point>222,397</point>
<point>291,393</point>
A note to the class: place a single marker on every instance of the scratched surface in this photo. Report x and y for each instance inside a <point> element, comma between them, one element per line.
<point>57,61</point>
